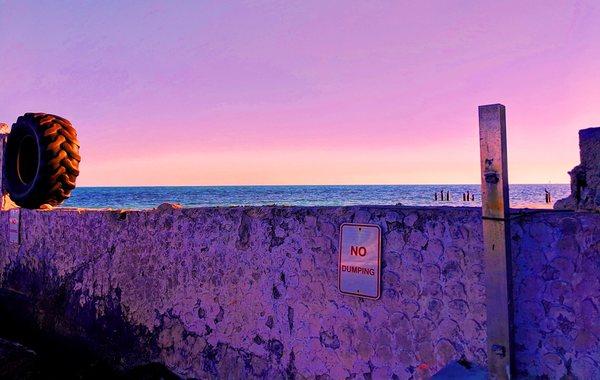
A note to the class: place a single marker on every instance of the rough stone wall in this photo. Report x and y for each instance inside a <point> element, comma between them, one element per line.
<point>585,177</point>
<point>252,291</point>
<point>556,258</point>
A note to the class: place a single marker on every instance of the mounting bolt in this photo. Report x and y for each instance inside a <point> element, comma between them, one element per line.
<point>499,350</point>
<point>491,177</point>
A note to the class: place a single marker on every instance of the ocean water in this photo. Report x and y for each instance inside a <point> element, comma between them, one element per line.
<point>522,196</point>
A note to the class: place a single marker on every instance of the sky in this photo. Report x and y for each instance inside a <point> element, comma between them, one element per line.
<point>304,92</point>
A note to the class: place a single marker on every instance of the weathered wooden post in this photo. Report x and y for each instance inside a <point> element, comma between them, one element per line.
<point>496,237</point>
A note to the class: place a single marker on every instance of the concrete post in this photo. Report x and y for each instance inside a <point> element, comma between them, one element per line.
<point>496,237</point>
<point>5,202</point>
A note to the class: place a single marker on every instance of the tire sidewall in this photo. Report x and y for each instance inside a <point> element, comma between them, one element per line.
<point>23,128</point>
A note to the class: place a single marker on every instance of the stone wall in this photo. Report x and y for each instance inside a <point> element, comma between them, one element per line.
<point>556,261</point>
<point>252,291</point>
<point>585,177</point>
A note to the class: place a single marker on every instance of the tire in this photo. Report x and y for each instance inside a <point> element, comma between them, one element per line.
<point>41,161</point>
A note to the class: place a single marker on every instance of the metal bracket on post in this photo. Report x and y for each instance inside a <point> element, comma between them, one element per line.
<point>496,239</point>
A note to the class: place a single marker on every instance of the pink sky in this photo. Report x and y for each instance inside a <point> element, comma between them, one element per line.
<point>310,92</point>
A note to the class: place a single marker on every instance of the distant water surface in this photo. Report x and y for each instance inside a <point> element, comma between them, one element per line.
<point>531,196</point>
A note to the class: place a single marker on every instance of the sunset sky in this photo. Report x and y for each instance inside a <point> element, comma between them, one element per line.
<point>304,92</point>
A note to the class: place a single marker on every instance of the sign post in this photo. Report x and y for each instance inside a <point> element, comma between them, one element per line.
<point>14,226</point>
<point>359,270</point>
<point>496,239</point>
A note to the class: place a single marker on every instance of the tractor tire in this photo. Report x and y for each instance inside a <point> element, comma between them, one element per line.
<point>41,160</point>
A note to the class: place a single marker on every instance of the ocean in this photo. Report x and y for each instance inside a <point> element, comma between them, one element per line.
<point>522,196</point>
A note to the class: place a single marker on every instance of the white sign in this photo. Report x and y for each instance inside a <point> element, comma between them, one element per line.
<point>14,221</point>
<point>359,271</point>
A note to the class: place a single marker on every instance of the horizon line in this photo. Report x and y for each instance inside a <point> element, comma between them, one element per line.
<point>308,185</point>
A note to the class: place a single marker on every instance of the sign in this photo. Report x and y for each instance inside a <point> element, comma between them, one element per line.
<point>359,270</point>
<point>14,225</point>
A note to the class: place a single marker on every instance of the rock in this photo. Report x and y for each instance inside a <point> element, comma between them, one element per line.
<point>585,177</point>
<point>329,340</point>
<point>6,203</point>
<point>17,361</point>
<point>168,206</point>
<point>461,369</point>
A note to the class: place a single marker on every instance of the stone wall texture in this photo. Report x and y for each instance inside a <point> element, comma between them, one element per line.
<point>251,292</point>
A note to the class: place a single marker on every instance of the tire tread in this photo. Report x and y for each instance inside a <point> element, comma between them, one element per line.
<point>60,167</point>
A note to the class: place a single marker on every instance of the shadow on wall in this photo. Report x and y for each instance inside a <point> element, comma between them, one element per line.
<point>26,352</point>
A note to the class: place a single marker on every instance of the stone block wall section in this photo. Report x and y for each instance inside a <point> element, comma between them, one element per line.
<point>585,177</point>
<point>251,292</point>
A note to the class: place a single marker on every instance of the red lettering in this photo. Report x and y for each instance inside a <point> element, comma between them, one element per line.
<point>358,270</point>
<point>357,251</point>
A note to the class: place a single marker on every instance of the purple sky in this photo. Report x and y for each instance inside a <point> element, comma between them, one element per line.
<point>312,92</point>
